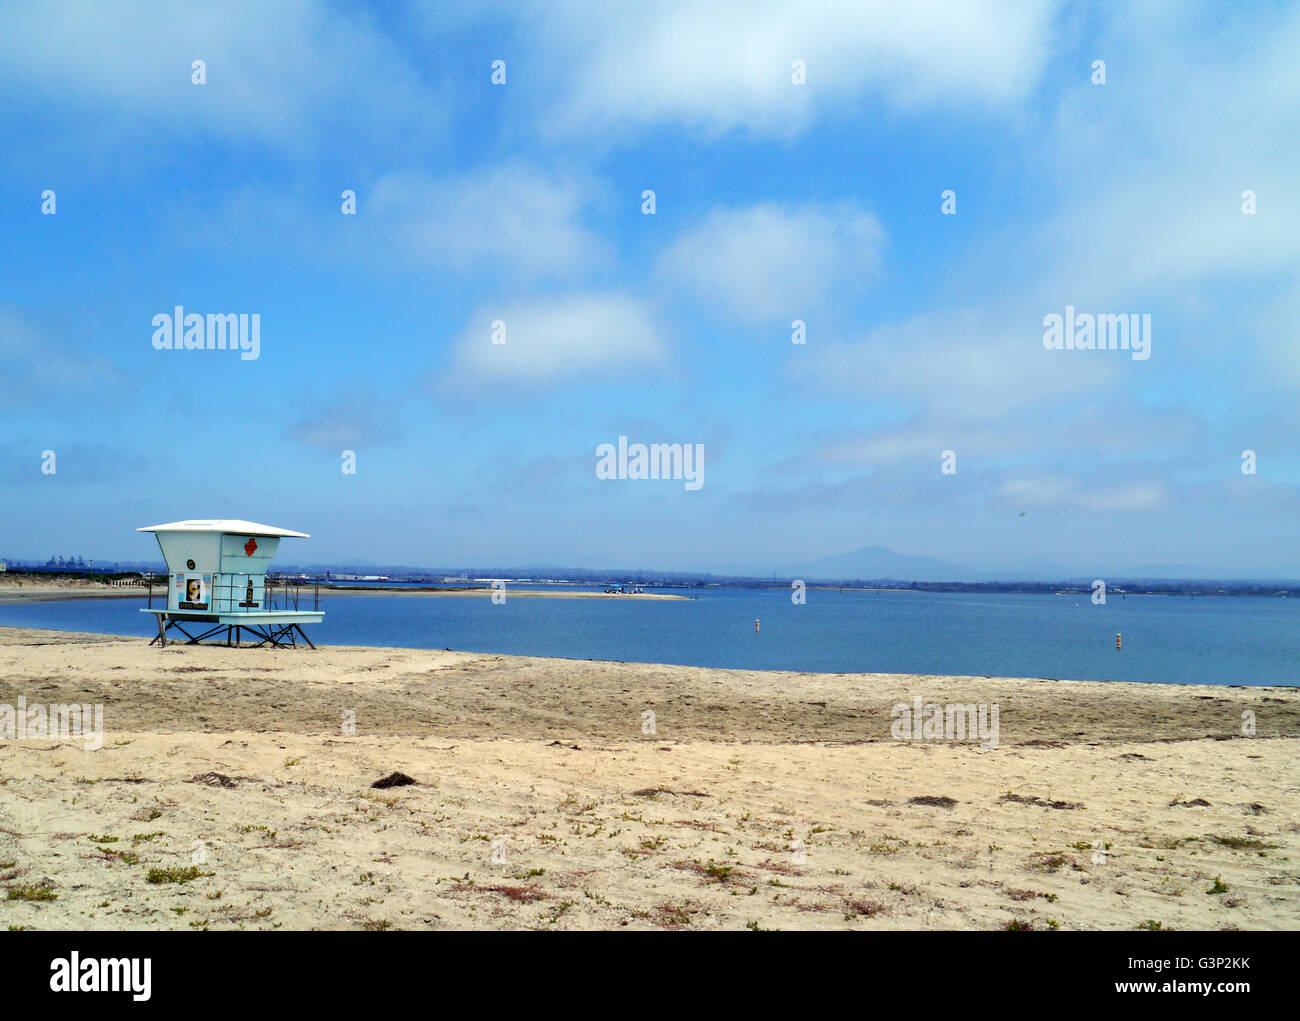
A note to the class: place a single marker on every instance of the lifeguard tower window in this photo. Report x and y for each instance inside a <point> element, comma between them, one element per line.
<point>219,584</point>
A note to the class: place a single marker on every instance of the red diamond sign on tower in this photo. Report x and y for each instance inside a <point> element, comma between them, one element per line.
<point>250,547</point>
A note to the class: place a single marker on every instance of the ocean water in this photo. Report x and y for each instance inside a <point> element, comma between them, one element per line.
<point>1206,640</point>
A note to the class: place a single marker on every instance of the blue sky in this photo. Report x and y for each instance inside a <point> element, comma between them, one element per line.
<point>775,201</point>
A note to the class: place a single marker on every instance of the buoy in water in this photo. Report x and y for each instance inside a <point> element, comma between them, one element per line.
<point>1119,641</point>
<point>755,623</point>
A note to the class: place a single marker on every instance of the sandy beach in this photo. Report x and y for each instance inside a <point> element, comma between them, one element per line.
<point>18,589</point>
<point>544,797</point>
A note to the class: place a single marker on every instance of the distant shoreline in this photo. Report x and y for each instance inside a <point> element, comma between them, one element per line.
<point>509,592</point>
<point>16,587</point>
<point>38,592</point>
<point>688,584</point>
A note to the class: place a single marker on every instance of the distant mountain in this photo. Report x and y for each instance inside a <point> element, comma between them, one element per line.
<point>878,562</point>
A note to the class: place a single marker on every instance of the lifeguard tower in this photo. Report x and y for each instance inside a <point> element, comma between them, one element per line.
<point>217,578</point>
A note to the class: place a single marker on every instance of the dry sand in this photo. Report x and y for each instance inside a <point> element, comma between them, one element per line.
<point>28,590</point>
<point>769,799</point>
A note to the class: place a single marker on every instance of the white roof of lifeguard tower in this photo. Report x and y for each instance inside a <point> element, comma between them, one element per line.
<point>226,526</point>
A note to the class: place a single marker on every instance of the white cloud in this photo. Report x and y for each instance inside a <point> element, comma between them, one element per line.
<point>279,72</point>
<point>40,366</point>
<point>973,365</point>
<point>513,215</point>
<point>920,443</point>
<point>1045,491</point>
<point>555,339</point>
<point>513,219</point>
<point>1147,172</point>
<point>724,65</point>
<point>1278,356</point>
<point>349,417</point>
<point>769,260</point>
<point>1151,166</point>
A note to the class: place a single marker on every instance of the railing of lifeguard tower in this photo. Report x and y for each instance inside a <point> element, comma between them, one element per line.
<point>288,593</point>
<point>278,593</point>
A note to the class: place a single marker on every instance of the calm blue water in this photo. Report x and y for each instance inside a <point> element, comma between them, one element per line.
<point>1166,638</point>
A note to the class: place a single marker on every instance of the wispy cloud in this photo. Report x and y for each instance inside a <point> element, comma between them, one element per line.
<point>502,221</point>
<point>974,364</point>
<point>1046,491</point>
<point>510,217</point>
<point>41,368</point>
<point>551,340</point>
<point>286,76</point>
<point>769,260</point>
<point>728,65</point>
<point>346,419</point>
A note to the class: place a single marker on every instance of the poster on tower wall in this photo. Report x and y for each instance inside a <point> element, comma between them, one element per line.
<point>194,592</point>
